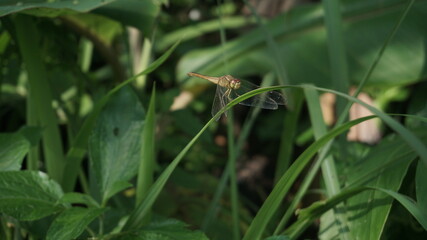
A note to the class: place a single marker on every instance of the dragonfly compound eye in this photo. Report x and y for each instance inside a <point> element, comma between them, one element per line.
<point>235,83</point>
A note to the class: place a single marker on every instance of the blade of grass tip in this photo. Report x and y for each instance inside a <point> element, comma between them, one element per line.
<point>85,54</point>
<point>273,201</point>
<point>146,165</point>
<point>143,63</point>
<point>336,49</point>
<point>28,39</point>
<point>78,150</point>
<point>329,172</point>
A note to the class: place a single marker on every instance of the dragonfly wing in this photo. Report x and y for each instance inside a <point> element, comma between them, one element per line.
<point>268,100</point>
<point>220,100</point>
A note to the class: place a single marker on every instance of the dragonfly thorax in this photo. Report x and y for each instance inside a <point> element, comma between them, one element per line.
<point>231,82</point>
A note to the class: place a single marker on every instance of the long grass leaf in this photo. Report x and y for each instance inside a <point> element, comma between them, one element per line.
<point>146,165</point>
<point>40,92</point>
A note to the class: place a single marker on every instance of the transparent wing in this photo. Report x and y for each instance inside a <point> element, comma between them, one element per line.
<point>220,100</point>
<point>268,100</point>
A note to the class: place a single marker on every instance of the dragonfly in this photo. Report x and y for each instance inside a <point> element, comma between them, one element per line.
<point>229,88</point>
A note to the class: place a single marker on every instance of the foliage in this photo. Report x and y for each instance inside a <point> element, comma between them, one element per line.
<point>104,136</point>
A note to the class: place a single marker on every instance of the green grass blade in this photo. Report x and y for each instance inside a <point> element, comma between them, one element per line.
<point>40,92</point>
<point>329,173</point>
<point>271,204</point>
<point>288,135</point>
<point>336,49</point>
<point>146,165</point>
<point>78,149</point>
<point>415,209</point>
<point>308,215</point>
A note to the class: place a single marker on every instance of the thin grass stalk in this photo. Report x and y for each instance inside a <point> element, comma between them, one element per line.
<point>145,177</point>
<point>33,157</point>
<point>246,129</point>
<point>234,192</point>
<point>329,172</point>
<point>144,61</point>
<point>288,135</point>
<point>40,91</point>
<point>233,179</point>
<point>336,49</point>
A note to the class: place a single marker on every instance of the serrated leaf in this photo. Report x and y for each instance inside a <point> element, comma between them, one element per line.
<point>13,148</point>
<point>72,222</point>
<point>28,195</point>
<point>115,142</point>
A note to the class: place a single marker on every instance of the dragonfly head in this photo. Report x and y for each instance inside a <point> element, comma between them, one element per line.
<point>233,83</point>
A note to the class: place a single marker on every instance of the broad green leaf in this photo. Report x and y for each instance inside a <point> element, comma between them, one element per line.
<point>79,198</point>
<point>114,145</point>
<point>301,38</point>
<point>72,222</point>
<point>169,229</point>
<point>49,8</point>
<point>13,148</point>
<point>28,195</point>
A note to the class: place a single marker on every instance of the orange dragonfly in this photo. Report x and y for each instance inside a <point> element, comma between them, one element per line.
<point>229,88</point>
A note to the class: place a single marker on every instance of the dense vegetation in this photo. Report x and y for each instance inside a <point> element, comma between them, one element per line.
<point>104,135</point>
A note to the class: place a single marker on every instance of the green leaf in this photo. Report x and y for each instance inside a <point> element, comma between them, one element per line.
<point>28,195</point>
<point>421,185</point>
<point>72,222</point>
<point>301,38</point>
<point>114,145</point>
<point>79,198</point>
<point>147,157</point>
<point>410,205</point>
<point>32,134</point>
<point>49,8</point>
<point>13,148</point>
<point>169,229</point>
